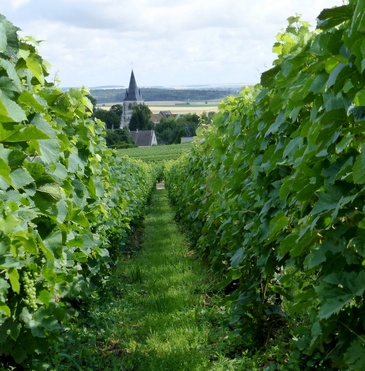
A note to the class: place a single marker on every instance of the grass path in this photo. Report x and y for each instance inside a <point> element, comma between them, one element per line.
<point>163,331</point>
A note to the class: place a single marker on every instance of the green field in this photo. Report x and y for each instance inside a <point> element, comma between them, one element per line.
<point>157,153</point>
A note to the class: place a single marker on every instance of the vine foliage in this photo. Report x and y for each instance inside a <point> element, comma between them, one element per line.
<point>65,200</point>
<point>274,192</point>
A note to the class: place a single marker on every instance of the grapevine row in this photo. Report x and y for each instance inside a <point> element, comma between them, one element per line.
<point>273,193</point>
<point>65,200</point>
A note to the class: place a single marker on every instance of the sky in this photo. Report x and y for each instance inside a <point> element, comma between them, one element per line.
<point>168,43</point>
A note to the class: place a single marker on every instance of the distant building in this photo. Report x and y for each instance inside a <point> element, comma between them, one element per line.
<point>156,117</point>
<point>144,138</point>
<point>132,97</point>
<point>186,139</point>
<point>166,114</point>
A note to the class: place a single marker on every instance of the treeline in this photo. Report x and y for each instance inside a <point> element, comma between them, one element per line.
<point>158,94</point>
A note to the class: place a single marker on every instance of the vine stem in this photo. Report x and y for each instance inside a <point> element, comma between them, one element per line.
<point>352,331</point>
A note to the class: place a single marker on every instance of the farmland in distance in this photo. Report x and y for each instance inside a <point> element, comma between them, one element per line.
<point>157,154</point>
<point>176,107</point>
<point>181,107</point>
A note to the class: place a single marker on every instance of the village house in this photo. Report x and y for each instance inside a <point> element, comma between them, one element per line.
<point>144,138</point>
<point>156,117</point>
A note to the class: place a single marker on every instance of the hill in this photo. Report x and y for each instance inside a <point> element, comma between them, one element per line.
<point>165,94</point>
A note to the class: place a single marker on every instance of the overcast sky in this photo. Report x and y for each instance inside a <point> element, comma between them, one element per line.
<point>168,42</point>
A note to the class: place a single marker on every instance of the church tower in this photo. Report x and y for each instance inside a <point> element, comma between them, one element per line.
<point>132,97</point>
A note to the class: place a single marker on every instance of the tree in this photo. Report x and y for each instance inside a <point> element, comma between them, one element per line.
<point>119,138</point>
<point>166,130</point>
<point>189,122</point>
<point>111,119</point>
<point>117,108</point>
<point>170,130</point>
<point>141,118</point>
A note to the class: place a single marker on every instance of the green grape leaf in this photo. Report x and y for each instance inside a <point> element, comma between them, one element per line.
<point>327,202</point>
<point>351,281</point>
<point>338,289</point>
<point>80,218</point>
<point>20,178</point>
<point>354,356</point>
<point>45,297</point>
<point>5,309</point>
<point>319,83</point>
<point>62,211</point>
<point>20,133</point>
<point>59,171</point>
<point>358,23</point>
<point>27,241</point>
<point>47,321</point>
<point>50,150</point>
<point>292,146</point>
<point>12,37</point>
<point>53,240</point>
<point>3,39</point>
<point>334,74</point>
<point>14,279</point>
<point>335,300</point>
<point>9,223</point>
<point>5,171</point>
<point>237,258</point>
<point>329,18</point>
<point>74,163</point>
<point>316,258</point>
<point>16,85</point>
<point>278,223</point>
<point>10,111</point>
<point>10,328</point>
<point>39,122</point>
<point>359,99</point>
<point>35,66</point>
<point>51,189</point>
<point>9,262</point>
<point>267,78</point>
<point>28,100</point>
<point>359,167</point>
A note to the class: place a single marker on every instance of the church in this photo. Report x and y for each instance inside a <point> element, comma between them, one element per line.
<point>133,96</point>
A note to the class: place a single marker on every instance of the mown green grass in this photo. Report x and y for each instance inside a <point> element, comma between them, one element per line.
<point>150,315</point>
<point>157,154</point>
<point>164,328</point>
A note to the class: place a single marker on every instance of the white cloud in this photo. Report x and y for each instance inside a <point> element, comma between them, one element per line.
<point>94,42</point>
<point>18,3</point>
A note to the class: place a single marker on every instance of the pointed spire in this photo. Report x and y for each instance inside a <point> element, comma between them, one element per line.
<point>133,93</point>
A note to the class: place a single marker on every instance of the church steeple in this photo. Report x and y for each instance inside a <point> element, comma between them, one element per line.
<point>133,93</point>
<point>132,97</point>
